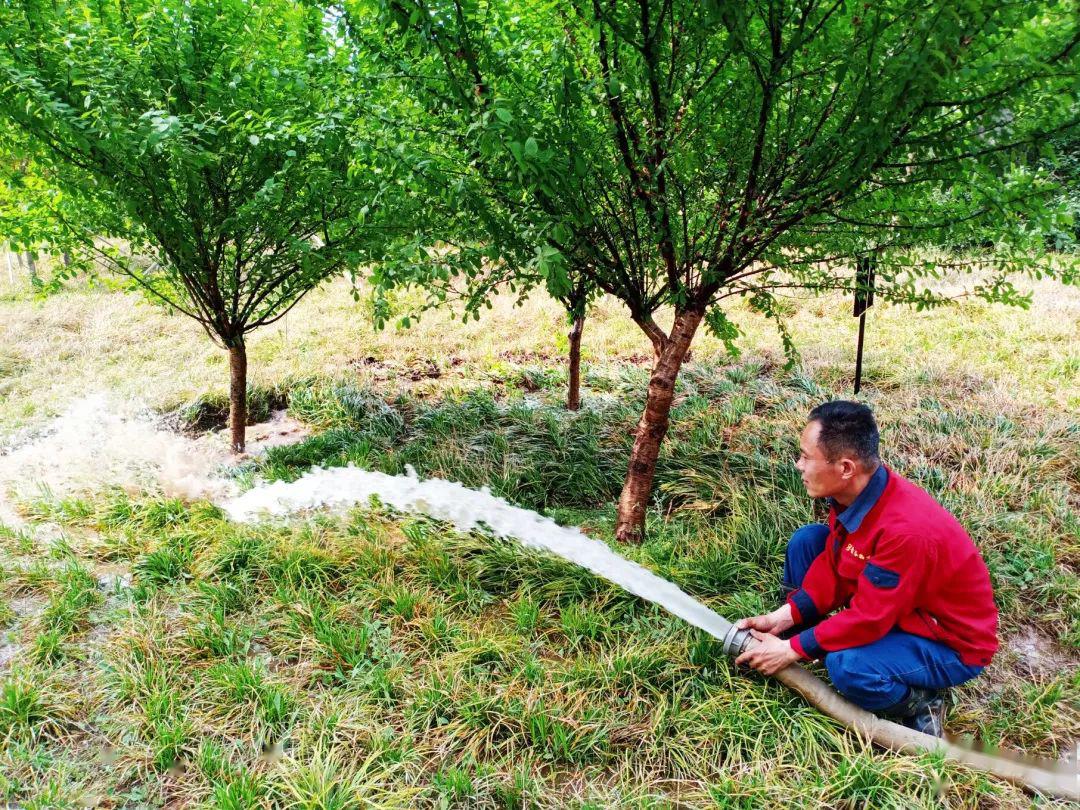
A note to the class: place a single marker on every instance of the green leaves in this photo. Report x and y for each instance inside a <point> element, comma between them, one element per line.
<point>551,266</point>
<point>720,326</point>
<point>159,126</point>
<point>680,157</point>
<point>229,134</point>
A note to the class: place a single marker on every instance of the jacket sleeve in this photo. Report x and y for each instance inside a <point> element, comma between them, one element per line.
<point>821,591</point>
<point>886,590</point>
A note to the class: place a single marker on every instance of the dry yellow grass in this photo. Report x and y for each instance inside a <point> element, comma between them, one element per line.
<point>56,350</point>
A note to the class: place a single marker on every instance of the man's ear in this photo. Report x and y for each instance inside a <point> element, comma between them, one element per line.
<point>848,468</point>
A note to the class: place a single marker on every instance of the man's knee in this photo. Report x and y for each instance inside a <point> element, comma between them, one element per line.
<point>808,540</point>
<point>805,545</point>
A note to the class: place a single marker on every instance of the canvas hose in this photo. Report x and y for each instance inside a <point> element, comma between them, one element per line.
<point>1053,779</point>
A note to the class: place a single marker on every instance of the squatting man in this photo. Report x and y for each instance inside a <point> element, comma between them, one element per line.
<point>918,613</point>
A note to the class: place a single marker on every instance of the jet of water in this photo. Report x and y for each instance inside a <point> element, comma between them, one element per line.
<point>467,509</point>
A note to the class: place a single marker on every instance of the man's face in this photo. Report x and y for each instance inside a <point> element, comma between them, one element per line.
<point>821,477</point>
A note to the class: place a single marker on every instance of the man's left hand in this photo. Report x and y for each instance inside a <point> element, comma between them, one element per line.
<point>770,655</point>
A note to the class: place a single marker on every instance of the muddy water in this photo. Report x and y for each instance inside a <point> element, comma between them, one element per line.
<point>99,442</point>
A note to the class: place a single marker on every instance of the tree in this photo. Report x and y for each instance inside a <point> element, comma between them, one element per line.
<point>704,150</point>
<point>1065,166</point>
<point>439,276</point>
<point>576,303</point>
<point>226,132</point>
<point>33,209</point>
<point>482,240</point>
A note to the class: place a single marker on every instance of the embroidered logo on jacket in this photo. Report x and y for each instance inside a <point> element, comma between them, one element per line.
<point>851,550</point>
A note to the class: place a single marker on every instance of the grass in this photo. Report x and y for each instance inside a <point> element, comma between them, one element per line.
<point>373,659</point>
<point>79,341</point>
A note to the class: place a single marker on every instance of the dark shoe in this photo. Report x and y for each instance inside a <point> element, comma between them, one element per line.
<point>929,717</point>
<point>922,710</point>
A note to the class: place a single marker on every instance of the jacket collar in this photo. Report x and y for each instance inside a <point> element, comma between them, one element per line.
<point>852,517</point>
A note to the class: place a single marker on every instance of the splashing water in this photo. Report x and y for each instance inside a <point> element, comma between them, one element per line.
<point>466,509</point>
<point>98,443</point>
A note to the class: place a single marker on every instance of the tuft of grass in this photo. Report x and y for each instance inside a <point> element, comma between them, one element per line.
<point>217,637</point>
<point>269,707</point>
<point>580,623</point>
<point>526,613</point>
<point>243,791</point>
<point>344,405</point>
<point>162,567</point>
<point>454,785</point>
<point>18,542</point>
<point>323,781</point>
<point>29,708</point>
<point>76,594</point>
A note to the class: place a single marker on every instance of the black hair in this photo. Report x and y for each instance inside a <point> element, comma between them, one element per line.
<point>847,427</point>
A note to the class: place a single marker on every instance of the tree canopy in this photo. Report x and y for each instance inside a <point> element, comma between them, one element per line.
<point>228,135</point>
<point>699,151</point>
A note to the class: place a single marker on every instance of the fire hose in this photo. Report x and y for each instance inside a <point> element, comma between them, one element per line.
<point>896,737</point>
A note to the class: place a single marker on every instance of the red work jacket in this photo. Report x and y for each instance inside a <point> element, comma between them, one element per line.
<point>896,558</point>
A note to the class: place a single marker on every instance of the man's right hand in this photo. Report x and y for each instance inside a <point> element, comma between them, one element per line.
<point>776,622</point>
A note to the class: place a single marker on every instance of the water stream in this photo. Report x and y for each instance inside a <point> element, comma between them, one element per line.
<point>466,509</point>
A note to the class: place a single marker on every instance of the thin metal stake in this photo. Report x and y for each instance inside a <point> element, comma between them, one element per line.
<point>858,353</point>
<point>864,299</point>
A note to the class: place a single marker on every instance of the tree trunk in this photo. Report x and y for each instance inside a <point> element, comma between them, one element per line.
<point>31,265</point>
<point>653,427</point>
<point>66,258</point>
<point>237,395</point>
<point>655,334</point>
<point>573,395</point>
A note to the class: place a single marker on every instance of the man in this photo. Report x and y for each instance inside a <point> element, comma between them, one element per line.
<point>919,614</point>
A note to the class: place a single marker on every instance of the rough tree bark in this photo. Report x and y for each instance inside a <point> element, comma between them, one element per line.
<point>653,427</point>
<point>237,395</point>
<point>655,334</point>
<point>573,395</point>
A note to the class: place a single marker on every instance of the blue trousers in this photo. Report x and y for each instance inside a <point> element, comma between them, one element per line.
<point>878,675</point>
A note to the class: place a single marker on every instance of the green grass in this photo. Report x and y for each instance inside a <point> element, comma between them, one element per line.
<point>373,659</point>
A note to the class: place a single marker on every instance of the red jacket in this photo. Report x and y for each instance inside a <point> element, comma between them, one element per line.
<point>906,563</point>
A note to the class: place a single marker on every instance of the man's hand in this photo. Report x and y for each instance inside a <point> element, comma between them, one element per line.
<point>776,622</point>
<point>770,655</point>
